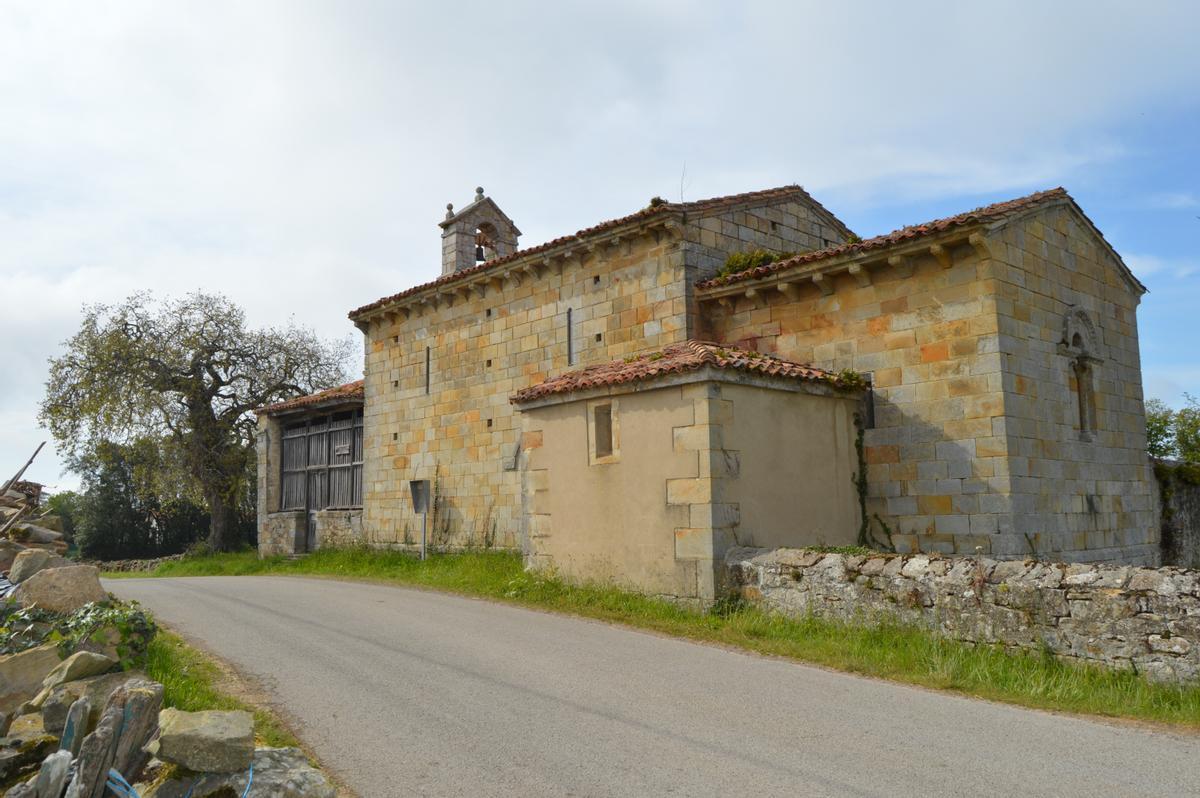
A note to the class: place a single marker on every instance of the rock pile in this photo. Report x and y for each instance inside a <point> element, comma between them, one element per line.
<point>74,727</point>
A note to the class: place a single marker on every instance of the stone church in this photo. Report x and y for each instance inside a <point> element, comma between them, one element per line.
<point>620,404</point>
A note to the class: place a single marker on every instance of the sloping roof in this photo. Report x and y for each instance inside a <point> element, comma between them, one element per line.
<point>677,359</point>
<point>654,210</point>
<point>350,392</point>
<point>985,215</point>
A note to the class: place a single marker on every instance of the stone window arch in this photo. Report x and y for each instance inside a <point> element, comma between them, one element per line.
<point>1081,344</point>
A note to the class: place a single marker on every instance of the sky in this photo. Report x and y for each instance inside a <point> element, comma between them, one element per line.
<point>297,156</point>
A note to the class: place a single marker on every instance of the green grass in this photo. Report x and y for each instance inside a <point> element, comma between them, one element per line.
<point>191,682</point>
<point>891,652</point>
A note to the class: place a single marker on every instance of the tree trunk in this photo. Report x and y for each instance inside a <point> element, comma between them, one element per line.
<point>220,532</point>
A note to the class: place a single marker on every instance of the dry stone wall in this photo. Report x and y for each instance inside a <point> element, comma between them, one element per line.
<point>1179,491</point>
<point>1147,619</point>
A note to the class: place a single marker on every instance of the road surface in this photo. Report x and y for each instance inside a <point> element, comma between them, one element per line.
<point>404,692</point>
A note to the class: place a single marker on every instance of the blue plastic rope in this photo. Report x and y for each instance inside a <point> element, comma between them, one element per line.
<point>116,782</point>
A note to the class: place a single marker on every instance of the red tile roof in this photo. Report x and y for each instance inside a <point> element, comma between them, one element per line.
<point>350,392</point>
<point>677,359</point>
<point>649,212</point>
<point>988,213</point>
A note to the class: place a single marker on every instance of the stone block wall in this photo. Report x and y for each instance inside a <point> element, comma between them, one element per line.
<point>626,297</point>
<point>1082,494</point>
<point>1147,619</point>
<point>281,533</point>
<point>928,335</point>
<point>975,445</point>
<point>463,434</point>
<point>1179,491</point>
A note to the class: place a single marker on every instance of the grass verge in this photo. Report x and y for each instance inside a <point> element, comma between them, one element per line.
<point>191,682</point>
<point>899,653</point>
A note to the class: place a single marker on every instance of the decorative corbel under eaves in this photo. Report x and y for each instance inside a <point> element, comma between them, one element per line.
<point>942,254</point>
<point>860,273</point>
<point>823,282</point>
<point>981,244</point>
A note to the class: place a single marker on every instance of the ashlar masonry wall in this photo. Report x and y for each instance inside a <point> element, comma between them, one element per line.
<point>929,337</point>
<point>1147,619</point>
<point>1083,491</point>
<point>460,431</point>
<point>624,295</point>
<point>976,445</point>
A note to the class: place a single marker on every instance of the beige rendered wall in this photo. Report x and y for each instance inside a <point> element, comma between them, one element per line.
<point>611,522</point>
<point>702,467</point>
<point>796,460</point>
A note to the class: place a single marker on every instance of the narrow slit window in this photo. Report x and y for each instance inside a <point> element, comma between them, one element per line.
<point>603,426</point>
<point>1085,397</point>
<point>570,337</point>
<point>428,359</point>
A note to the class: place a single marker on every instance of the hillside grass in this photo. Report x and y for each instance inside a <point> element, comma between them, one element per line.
<point>899,653</point>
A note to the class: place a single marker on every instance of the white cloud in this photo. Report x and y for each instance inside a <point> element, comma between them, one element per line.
<point>297,155</point>
<point>1157,266</point>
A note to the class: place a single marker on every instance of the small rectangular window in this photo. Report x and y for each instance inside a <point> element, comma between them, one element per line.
<point>604,442</point>
<point>604,437</point>
<point>427,361</point>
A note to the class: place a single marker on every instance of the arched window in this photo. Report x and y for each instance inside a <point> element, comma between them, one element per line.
<point>1080,345</point>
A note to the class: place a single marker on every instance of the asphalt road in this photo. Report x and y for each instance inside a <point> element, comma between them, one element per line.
<point>404,692</point>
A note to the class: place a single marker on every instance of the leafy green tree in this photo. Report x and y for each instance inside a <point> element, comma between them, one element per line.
<point>1187,430</point>
<point>67,505</point>
<point>189,371</point>
<point>1160,429</point>
<point>128,509</point>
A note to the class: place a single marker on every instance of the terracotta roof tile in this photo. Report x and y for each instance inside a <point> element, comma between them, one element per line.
<point>988,213</point>
<point>351,391</point>
<point>650,212</point>
<point>676,359</point>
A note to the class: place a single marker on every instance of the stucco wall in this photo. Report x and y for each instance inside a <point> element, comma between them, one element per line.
<point>611,522</point>
<point>796,466</point>
<point>703,466</point>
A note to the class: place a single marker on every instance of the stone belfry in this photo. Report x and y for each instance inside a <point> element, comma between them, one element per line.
<point>477,233</point>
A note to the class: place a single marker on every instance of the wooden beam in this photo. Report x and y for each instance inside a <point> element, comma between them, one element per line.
<point>942,254</point>
<point>903,265</point>
<point>860,273</point>
<point>821,281</point>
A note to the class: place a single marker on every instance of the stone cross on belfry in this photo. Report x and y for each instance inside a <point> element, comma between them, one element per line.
<point>478,233</point>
